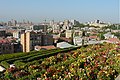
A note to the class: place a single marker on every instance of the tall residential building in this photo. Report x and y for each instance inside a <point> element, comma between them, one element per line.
<point>31,39</point>
<point>73,22</point>
<point>39,27</point>
<point>14,23</point>
<point>73,33</point>
<point>66,22</point>
<point>68,33</point>
<point>56,28</point>
<point>97,21</point>
<point>67,25</point>
<point>9,23</point>
<point>52,23</point>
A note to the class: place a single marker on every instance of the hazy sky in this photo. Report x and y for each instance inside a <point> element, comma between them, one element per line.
<point>39,10</point>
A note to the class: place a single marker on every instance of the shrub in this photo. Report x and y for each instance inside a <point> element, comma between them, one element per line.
<point>5,64</point>
<point>19,64</point>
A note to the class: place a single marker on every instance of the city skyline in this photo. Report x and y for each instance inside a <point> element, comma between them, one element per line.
<point>81,10</point>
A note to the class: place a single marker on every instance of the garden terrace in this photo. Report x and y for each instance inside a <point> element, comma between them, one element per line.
<point>92,62</point>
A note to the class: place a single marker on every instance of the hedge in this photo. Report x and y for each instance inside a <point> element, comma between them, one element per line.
<point>5,64</point>
<point>18,64</point>
<point>24,56</point>
<point>14,55</point>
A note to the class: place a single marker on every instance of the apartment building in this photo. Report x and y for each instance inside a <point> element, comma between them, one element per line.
<point>6,46</point>
<point>39,27</point>
<point>30,39</point>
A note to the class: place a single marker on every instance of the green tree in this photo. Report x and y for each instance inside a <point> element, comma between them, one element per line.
<point>83,35</point>
<point>101,36</point>
<point>5,64</point>
<point>117,34</point>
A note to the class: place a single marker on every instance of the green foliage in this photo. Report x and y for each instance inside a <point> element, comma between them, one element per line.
<point>10,56</point>
<point>62,35</point>
<point>19,64</point>
<point>5,64</point>
<point>114,27</point>
<point>79,25</point>
<point>8,76</point>
<point>101,36</point>
<point>92,62</point>
<point>117,34</point>
<point>9,34</point>
<point>79,65</point>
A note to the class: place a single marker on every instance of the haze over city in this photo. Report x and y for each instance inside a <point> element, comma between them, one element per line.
<point>39,10</point>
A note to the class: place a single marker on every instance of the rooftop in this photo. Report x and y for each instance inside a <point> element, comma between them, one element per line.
<point>45,47</point>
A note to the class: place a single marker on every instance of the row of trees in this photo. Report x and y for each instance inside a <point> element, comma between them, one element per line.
<point>113,27</point>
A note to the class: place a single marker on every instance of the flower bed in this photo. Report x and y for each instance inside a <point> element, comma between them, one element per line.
<point>93,62</point>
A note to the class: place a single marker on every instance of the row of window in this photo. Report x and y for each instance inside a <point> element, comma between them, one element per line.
<point>5,47</point>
